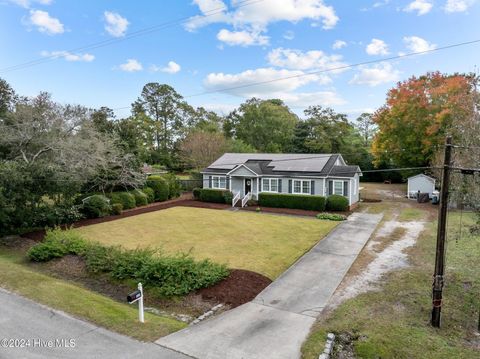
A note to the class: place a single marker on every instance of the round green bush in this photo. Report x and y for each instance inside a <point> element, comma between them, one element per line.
<point>96,206</point>
<point>150,194</point>
<point>117,208</point>
<point>125,198</point>
<point>141,198</point>
<point>159,186</point>
<point>228,196</point>
<point>336,202</point>
<point>196,193</point>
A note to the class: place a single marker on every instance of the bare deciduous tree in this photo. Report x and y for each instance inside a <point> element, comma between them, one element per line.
<point>199,149</point>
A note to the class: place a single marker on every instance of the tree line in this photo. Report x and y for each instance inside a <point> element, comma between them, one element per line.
<point>50,152</point>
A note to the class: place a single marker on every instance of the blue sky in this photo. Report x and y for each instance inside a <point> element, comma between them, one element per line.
<point>240,42</point>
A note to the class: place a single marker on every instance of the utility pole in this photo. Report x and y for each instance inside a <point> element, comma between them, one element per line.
<point>441,233</point>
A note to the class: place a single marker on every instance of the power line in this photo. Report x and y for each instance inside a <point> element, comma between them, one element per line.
<point>141,32</point>
<point>335,175</point>
<point>344,67</point>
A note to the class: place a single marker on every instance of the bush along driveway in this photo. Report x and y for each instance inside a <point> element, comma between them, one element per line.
<point>277,321</point>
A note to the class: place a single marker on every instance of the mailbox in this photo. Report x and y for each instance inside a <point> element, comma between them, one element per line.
<point>134,296</point>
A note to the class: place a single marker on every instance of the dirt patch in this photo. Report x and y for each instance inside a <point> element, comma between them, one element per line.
<point>385,253</point>
<point>240,287</point>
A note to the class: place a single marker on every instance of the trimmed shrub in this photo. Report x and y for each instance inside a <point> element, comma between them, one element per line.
<point>150,194</point>
<point>228,196</point>
<point>181,275</point>
<point>196,193</point>
<point>141,198</point>
<point>96,206</point>
<point>336,202</point>
<point>331,216</point>
<point>212,195</point>
<point>169,275</point>
<point>125,198</point>
<point>56,244</point>
<point>295,201</point>
<point>159,186</point>
<point>174,185</point>
<point>117,208</point>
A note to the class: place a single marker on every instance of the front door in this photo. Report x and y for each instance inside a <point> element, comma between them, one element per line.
<point>248,185</point>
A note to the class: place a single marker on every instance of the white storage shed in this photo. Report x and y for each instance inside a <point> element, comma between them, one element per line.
<point>422,183</point>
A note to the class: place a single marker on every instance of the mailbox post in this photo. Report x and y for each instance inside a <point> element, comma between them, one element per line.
<point>137,296</point>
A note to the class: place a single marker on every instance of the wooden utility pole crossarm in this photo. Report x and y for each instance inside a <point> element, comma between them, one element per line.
<point>441,235</point>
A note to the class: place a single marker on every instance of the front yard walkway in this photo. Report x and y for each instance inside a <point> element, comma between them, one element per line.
<point>278,320</point>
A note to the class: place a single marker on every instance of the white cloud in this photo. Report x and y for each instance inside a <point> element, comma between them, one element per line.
<point>116,25</point>
<point>377,47</point>
<point>131,65</point>
<point>422,7</point>
<point>308,60</point>
<point>376,75</point>
<point>417,44</point>
<point>305,99</point>
<point>68,56</point>
<point>458,5</point>
<point>27,3</point>
<point>339,44</point>
<point>259,15</point>
<point>46,23</point>
<point>291,80</point>
<point>171,68</point>
<point>242,38</point>
<point>289,35</point>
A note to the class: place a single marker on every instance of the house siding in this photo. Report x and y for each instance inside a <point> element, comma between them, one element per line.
<point>242,171</point>
<point>352,195</point>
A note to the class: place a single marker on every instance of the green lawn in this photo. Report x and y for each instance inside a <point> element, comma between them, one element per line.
<point>394,322</point>
<point>263,243</point>
<point>80,302</point>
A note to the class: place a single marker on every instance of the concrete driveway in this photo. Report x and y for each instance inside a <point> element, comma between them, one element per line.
<point>23,319</point>
<point>277,321</point>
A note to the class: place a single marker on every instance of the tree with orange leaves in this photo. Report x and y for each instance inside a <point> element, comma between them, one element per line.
<point>419,112</point>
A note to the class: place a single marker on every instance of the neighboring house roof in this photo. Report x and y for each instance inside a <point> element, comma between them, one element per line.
<point>296,164</point>
<point>424,176</point>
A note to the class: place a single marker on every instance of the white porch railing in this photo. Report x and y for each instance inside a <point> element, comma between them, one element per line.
<point>235,199</point>
<point>245,199</point>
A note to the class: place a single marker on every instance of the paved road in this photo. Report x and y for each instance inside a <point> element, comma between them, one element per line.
<point>277,321</point>
<point>22,318</point>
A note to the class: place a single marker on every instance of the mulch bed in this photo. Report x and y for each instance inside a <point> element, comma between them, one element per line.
<point>289,211</point>
<point>240,287</point>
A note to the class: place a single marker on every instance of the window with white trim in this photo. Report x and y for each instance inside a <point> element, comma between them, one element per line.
<point>301,186</point>
<point>269,185</point>
<point>219,182</point>
<point>338,187</point>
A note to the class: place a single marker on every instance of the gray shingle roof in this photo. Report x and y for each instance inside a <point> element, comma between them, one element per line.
<point>296,164</point>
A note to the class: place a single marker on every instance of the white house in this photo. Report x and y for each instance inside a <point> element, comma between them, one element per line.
<point>248,174</point>
<point>422,183</point>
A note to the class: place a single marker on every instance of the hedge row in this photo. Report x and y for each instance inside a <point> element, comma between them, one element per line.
<point>98,205</point>
<point>295,201</point>
<point>170,275</point>
<point>212,195</point>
